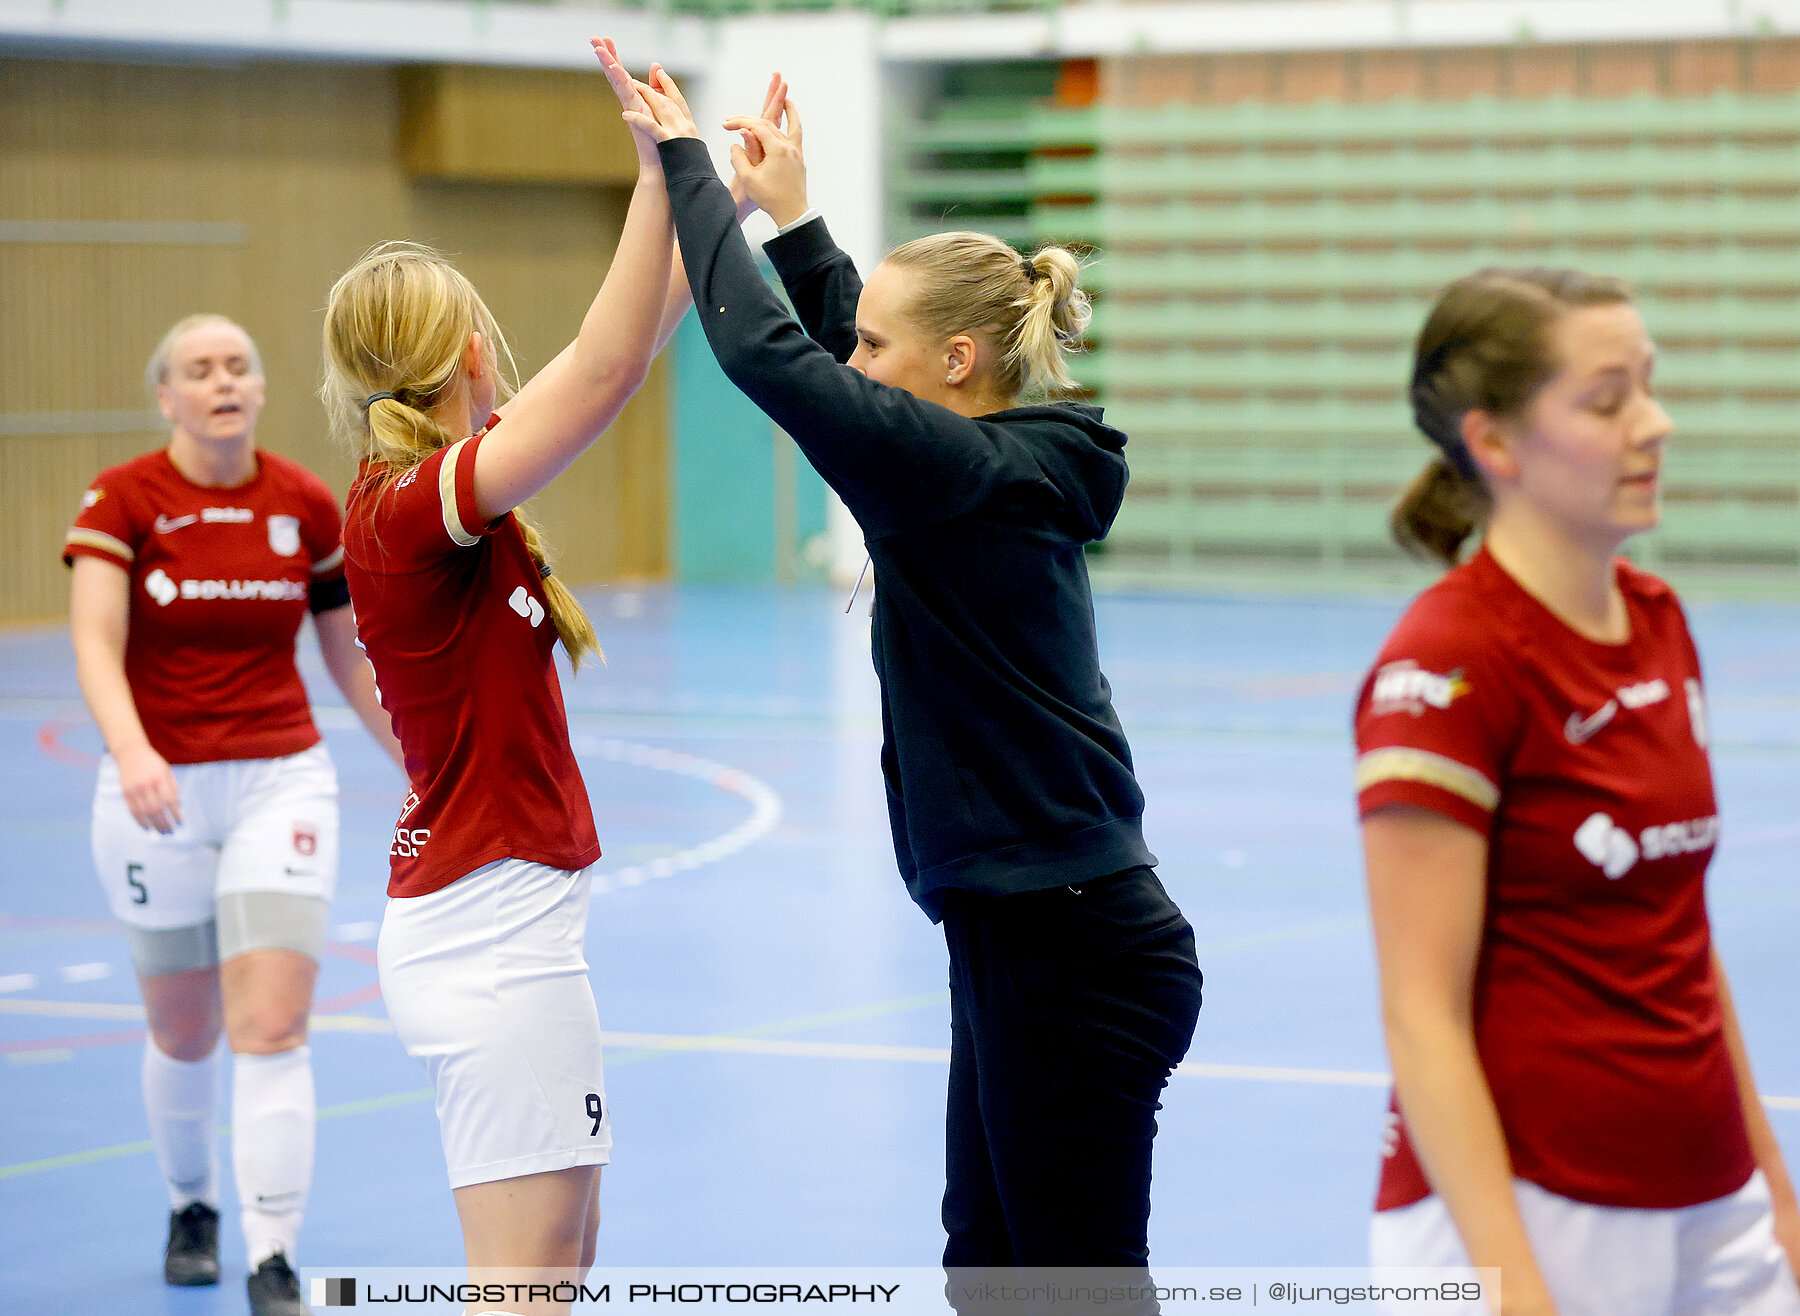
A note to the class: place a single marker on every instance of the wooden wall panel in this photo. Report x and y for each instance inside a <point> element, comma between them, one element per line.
<point>518,125</point>
<point>283,175</point>
<point>41,481</point>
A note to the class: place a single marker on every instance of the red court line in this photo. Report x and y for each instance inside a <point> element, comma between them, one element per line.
<point>49,739</point>
<point>81,1043</point>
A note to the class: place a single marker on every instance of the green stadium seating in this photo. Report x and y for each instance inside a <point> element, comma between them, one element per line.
<point>1262,270</point>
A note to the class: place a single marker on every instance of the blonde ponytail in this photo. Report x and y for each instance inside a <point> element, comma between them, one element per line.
<point>1030,308</point>
<point>397,324</point>
<point>1056,313</point>
<point>572,624</point>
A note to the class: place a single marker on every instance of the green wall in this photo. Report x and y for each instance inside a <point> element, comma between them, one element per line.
<point>748,507</point>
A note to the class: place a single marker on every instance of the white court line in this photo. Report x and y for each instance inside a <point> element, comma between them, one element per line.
<point>1356,1078</point>
<point>765,807</point>
<point>773,1046</point>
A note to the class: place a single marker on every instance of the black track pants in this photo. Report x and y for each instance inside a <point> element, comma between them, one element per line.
<point>1068,1010</point>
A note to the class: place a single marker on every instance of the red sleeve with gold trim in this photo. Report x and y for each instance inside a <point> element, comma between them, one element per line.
<point>429,511</point>
<point>1438,717</point>
<point>108,526</point>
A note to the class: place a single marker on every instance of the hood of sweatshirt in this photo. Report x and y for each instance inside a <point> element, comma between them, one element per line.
<point>1079,453</point>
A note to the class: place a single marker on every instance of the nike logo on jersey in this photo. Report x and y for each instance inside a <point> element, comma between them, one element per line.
<point>165,524</point>
<point>1581,729</point>
<point>1643,694</point>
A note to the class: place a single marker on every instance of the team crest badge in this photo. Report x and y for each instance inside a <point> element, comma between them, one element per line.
<point>284,535</point>
<point>306,839</point>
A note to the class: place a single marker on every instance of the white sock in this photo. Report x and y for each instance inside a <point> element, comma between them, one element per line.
<point>181,1097</point>
<point>273,1113</point>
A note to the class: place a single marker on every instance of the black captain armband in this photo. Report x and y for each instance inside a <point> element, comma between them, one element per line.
<point>324,595</point>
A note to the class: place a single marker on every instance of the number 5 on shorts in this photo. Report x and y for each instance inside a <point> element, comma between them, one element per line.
<point>596,1111</point>
<point>140,894</point>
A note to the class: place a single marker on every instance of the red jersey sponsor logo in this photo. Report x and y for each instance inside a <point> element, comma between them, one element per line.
<point>523,603</point>
<point>409,842</point>
<point>1615,852</point>
<point>158,585</point>
<point>1405,687</point>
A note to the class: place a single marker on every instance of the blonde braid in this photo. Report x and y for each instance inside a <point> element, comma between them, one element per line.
<point>397,324</point>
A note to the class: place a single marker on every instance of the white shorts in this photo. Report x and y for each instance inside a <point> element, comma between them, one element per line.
<point>1718,1258</point>
<point>486,983</point>
<point>246,825</point>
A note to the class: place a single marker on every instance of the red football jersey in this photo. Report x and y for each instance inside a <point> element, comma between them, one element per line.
<point>220,582</point>
<point>453,615</point>
<point>1596,1010</point>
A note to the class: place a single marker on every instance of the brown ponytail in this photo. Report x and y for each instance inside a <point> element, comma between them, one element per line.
<point>1030,308</point>
<point>1486,346</point>
<point>397,324</point>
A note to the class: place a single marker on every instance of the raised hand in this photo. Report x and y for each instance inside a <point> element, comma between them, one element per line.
<point>668,116</point>
<point>773,100</point>
<point>630,101</point>
<point>776,182</point>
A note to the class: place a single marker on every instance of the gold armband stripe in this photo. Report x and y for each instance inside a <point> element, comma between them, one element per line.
<point>459,534</point>
<point>1398,763</point>
<point>101,540</point>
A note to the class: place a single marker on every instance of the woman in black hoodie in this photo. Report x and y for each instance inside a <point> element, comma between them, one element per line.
<point>1017,821</point>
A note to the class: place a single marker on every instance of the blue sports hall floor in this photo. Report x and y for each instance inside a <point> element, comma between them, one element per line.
<point>776,1006</point>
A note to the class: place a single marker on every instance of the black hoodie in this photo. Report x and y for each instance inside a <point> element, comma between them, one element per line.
<point>1006,767</point>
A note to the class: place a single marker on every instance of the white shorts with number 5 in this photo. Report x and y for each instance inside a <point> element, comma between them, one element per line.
<point>246,825</point>
<point>487,983</point>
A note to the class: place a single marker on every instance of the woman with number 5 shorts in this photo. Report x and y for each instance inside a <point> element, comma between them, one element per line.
<point>215,826</point>
<point>1574,1104</point>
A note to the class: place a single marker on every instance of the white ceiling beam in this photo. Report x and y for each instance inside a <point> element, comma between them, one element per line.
<point>1280,25</point>
<point>350,31</point>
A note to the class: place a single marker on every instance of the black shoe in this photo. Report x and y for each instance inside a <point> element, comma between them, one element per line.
<point>274,1290</point>
<point>192,1257</point>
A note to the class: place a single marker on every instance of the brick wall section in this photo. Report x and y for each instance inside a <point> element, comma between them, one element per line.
<point>1770,65</point>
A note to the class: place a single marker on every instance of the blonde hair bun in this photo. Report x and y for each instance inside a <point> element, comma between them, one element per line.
<point>1032,307</point>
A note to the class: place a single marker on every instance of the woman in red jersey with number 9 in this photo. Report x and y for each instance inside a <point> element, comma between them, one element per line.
<point>481,953</point>
<point>1573,1100</point>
